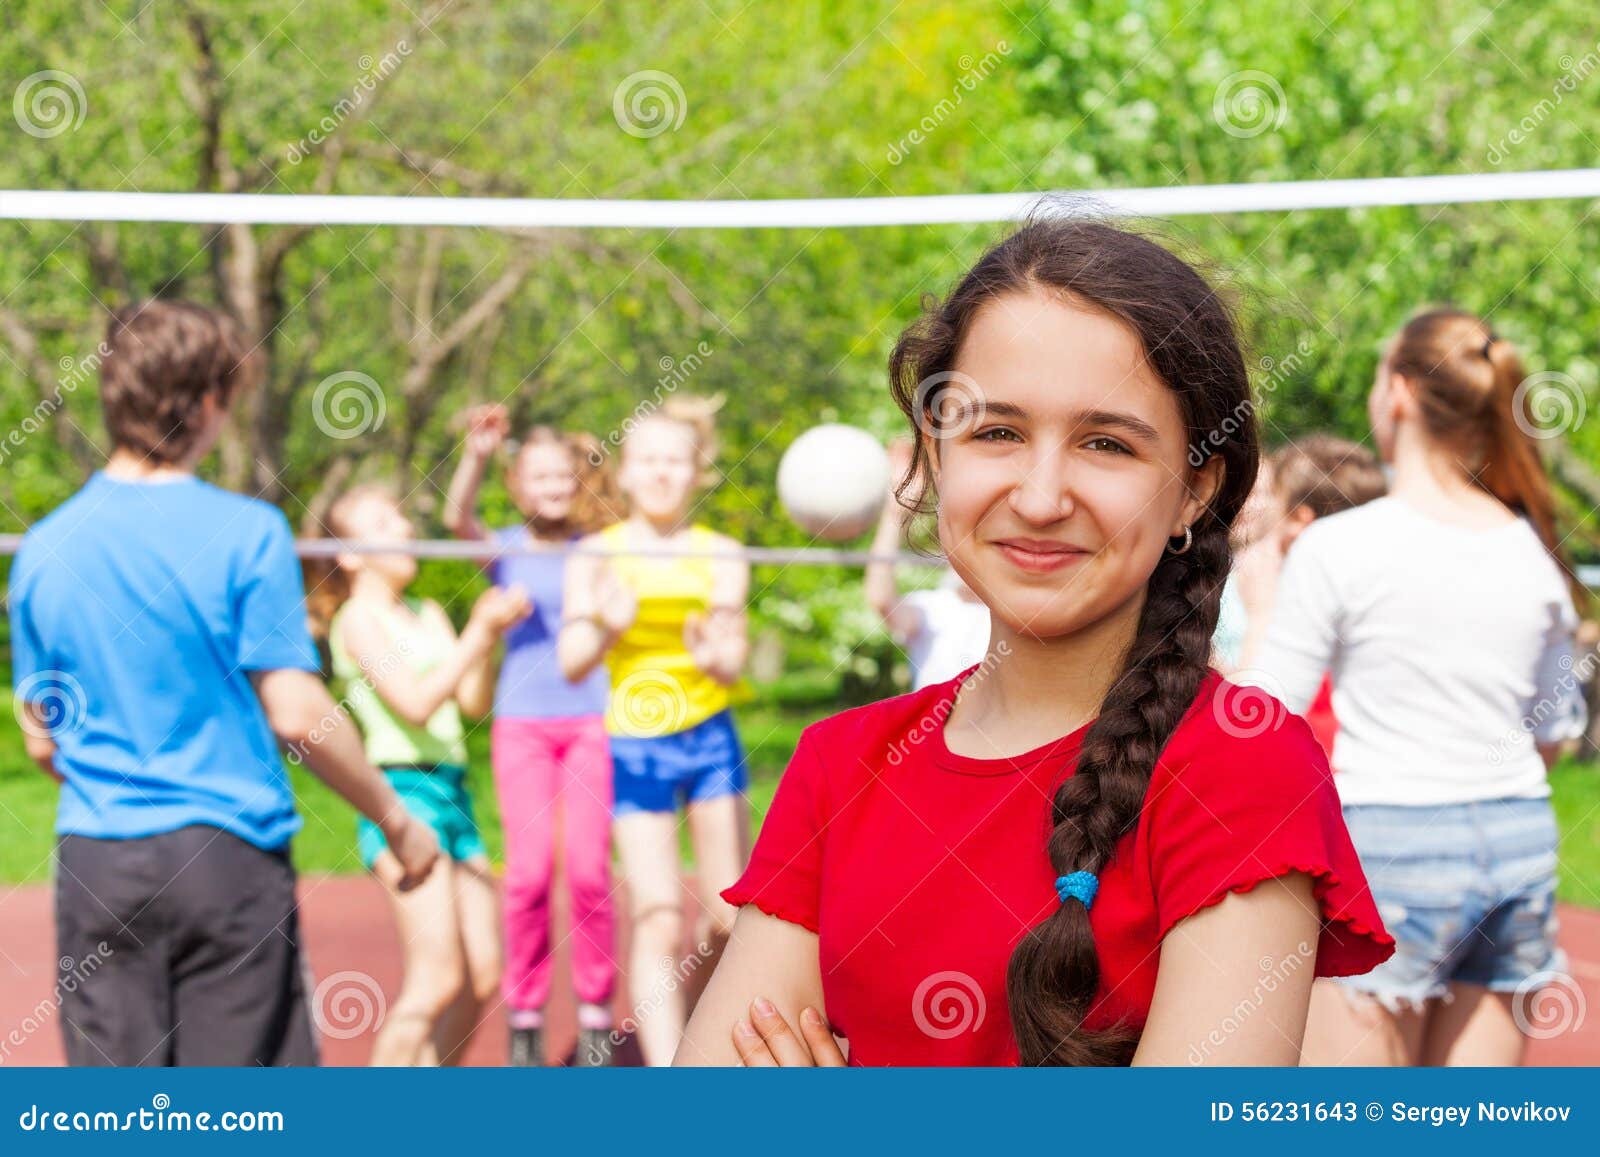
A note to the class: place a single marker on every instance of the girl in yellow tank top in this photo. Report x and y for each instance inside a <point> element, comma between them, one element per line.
<point>657,687</point>
<point>660,601</point>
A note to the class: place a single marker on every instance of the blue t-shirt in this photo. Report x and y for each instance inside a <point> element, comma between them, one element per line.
<point>138,612</point>
<point>531,685</point>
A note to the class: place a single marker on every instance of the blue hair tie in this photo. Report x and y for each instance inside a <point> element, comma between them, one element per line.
<point>1079,885</point>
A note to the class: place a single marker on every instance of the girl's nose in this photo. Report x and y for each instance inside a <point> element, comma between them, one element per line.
<point>1042,493</point>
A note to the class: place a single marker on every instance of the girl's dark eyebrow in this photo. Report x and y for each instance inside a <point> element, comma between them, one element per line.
<point>1136,427</point>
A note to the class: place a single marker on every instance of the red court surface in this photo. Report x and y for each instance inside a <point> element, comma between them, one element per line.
<point>348,929</point>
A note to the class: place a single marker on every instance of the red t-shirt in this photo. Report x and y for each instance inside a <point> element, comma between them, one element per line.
<point>920,870</point>
<point>1324,724</point>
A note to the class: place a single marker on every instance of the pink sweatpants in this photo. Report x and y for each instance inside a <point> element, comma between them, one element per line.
<point>538,762</point>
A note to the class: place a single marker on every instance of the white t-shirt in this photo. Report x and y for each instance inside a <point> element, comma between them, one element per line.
<point>1450,650</point>
<point>952,634</point>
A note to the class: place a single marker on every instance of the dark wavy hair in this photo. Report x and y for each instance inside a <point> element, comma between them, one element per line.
<point>1190,338</point>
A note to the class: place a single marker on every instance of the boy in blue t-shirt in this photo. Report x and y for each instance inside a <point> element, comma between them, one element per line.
<point>160,656</point>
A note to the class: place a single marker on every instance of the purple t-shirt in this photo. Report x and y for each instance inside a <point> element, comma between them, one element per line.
<point>531,685</point>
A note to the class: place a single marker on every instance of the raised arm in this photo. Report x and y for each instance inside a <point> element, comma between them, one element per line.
<point>720,640</point>
<point>596,607</point>
<point>486,429</point>
<point>413,697</point>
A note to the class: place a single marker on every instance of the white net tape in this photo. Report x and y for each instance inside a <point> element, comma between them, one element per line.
<point>816,213</point>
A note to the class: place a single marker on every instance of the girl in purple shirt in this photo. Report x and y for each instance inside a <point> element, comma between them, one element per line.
<point>548,741</point>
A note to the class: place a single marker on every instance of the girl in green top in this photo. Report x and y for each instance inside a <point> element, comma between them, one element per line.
<point>408,677</point>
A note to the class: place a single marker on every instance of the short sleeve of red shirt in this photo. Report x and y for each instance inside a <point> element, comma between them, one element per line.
<point>1246,797</point>
<point>784,876</point>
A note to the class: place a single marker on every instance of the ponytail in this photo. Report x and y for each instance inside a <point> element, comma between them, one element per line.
<point>1468,383</point>
<point>1512,470</point>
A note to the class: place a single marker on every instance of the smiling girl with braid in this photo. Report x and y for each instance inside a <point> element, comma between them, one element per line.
<point>1089,848</point>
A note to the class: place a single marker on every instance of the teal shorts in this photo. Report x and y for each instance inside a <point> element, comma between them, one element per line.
<point>439,798</point>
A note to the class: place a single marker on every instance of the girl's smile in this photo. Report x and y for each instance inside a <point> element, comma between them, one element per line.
<point>1040,556</point>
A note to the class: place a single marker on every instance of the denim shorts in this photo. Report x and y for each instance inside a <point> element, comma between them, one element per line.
<point>1467,890</point>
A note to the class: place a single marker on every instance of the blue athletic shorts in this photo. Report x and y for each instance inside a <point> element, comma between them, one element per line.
<point>439,798</point>
<point>664,772</point>
<point>1468,892</point>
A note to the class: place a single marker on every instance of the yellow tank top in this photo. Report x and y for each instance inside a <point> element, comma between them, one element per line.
<point>656,688</point>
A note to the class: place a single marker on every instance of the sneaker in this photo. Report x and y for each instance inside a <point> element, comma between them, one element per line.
<point>595,1046</point>
<point>527,1048</point>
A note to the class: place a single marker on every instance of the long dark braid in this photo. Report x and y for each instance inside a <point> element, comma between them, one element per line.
<point>1189,337</point>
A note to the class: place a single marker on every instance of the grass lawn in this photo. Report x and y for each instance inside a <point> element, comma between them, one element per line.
<point>770,731</point>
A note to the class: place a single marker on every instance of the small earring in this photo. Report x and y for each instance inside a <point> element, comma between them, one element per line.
<point>1188,541</point>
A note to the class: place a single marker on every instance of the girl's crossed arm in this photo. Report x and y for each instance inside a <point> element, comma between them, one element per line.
<point>1234,981</point>
<point>770,960</point>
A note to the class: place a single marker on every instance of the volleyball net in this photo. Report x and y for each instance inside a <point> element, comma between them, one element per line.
<point>523,214</point>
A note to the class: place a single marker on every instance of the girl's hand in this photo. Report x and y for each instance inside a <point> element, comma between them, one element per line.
<point>499,609</point>
<point>708,635</point>
<point>487,427</point>
<point>767,1041</point>
<point>415,847</point>
<point>615,602</point>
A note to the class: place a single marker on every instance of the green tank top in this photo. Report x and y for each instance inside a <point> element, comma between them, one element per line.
<point>390,739</point>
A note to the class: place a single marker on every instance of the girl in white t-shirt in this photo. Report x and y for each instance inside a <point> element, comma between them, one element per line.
<point>1444,614</point>
<point>944,630</point>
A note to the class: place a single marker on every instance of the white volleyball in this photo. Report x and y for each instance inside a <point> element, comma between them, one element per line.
<point>833,480</point>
